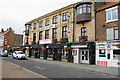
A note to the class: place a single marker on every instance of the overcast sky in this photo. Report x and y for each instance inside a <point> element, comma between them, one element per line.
<point>15,13</point>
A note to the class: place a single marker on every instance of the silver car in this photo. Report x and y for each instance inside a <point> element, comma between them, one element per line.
<point>3,54</point>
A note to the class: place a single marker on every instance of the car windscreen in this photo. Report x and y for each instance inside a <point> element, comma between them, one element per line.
<point>20,52</point>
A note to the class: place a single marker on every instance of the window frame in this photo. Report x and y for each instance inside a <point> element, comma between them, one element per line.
<point>64,31</point>
<point>47,34</point>
<point>47,22</point>
<point>54,36</point>
<point>65,16</point>
<point>55,19</point>
<point>114,29</point>
<point>80,9</point>
<point>34,37</point>
<point>84,32</point>
<point>34,25</point>
<point>40,35</point>
<point>41,23</point>
<point>110,10</point>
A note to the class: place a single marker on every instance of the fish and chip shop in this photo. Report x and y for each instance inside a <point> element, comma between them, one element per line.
<point>108,54</point>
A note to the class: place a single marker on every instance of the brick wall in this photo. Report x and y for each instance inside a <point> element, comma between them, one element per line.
<point>10,37</point>
<point>101,25</point>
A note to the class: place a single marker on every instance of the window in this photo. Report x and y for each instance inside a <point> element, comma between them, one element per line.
<point>55,19</point>
<point>64,34</point>
<point>112,14</point>
<point>65,16</point>
<point>34,37</point>
<point>84,8</point>
<point>41,23</point>
<point>116,54</point>
<point>54,33</point>
<point>35,25</point>
<point>83,31</point>
<point>47,34</point>
<point>47,23</point>
<point>40,35</point>
<point>102,53</point>
<point>112,33</point>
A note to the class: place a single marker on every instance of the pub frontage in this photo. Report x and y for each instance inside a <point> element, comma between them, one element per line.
<point>74,52</point>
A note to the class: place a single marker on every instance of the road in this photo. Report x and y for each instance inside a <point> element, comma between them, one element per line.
<point>44,70</point>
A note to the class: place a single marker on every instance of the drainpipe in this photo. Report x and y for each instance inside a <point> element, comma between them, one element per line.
<point>74,23</point>
<point>119,21</point>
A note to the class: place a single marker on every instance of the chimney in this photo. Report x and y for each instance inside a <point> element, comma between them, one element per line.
<point>10,28</point>
<point>2,30</point>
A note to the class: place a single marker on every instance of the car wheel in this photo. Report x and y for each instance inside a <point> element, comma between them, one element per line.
<point>17,58</point>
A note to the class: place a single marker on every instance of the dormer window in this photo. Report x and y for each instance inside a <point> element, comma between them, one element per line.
<point>84,8</point>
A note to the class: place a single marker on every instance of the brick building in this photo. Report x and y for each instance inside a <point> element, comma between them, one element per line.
<point>108,35</point>
<point>8,39</point>
<point>108,22</point>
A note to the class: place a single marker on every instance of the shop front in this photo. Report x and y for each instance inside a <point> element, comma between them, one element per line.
<point>108,54</point>
<point>83,52</point>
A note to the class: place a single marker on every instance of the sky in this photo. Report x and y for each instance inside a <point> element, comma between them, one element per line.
<point>15,13</point>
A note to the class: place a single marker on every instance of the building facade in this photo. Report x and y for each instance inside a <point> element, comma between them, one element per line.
<point>58,33</point>
<point>108,35</point>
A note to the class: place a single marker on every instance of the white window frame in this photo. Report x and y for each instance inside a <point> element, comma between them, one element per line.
<point>110,9</point>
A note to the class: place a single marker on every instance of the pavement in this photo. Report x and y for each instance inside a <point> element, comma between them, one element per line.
<point>10,70</point>
<point>105,70</point>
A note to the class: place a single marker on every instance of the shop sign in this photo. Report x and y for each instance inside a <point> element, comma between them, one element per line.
<point>46,41</point>
<point>115,45</point>
<point>108,45</point>
<point>5,41</point>
<point>118,46</point>
<point>47,27</point>
<point>80,46</point>
<point>101,46</point>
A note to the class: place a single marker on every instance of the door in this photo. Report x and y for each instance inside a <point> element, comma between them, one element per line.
<point>84,56</point>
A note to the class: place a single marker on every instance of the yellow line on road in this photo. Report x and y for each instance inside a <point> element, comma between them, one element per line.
<point>41,76</point>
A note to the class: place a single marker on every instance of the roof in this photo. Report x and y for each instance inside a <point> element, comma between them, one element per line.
<point>107,5</point>
<point>4,32</point>
<point>54,12</point>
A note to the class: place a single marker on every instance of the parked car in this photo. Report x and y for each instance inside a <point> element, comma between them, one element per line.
<point>19,55</point>
<point>3,54</point>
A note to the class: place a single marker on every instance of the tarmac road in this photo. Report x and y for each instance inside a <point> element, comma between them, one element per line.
<point>44,70</point>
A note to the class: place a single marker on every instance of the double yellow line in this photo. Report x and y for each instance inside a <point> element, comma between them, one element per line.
<point>41,76</point>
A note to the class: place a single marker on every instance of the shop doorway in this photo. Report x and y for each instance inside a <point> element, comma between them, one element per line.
<point>84,56</point>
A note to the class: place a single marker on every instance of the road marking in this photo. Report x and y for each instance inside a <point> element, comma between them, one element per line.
<point>39,67</point>
<point>29,71</point>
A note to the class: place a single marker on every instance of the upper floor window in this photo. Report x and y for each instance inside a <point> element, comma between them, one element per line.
<point>47,23</point>
<point>112,33</point>
<point>55,19</point>
<point>34,37</point>
<point>47,34</point>
<point>65,16</point>
<point>35,26</point>
<point>55,33</point>
<point>40,35</point>
<point>84,8</point>
<point>83,31</point>
<point>64,32</point>
<point>112,14</point>
<point>41,23</point>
